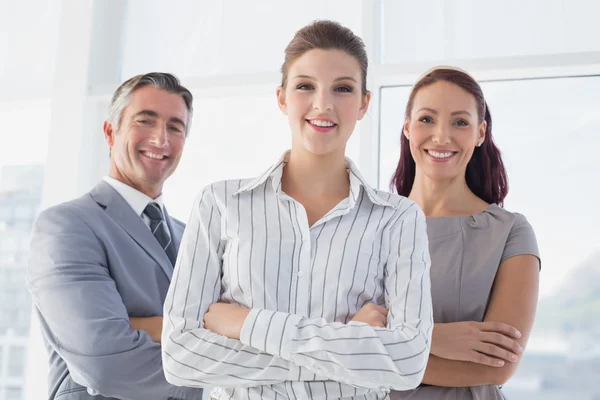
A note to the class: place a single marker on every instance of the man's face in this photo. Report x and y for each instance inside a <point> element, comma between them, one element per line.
<point>147,145</point>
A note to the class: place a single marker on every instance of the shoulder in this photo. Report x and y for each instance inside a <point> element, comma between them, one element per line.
<point>512,221</point>
<point>521,238</point>
<point>219,194</point>
<point>67,228</point>
<point>403,213</point>
<point>520,221</point>
<point>404,208</point>
<point>70,212</point>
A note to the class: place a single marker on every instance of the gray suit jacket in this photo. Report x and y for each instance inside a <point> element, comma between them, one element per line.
<point>93,263</point>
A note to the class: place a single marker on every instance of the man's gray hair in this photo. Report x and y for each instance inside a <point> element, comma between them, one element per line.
<point>160,80</point>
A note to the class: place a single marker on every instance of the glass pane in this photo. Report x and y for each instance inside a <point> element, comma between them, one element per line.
<point>405,38</point>
<point>202,38</point>
<point>22,156</point>
<point>24,142</point>
<point>547,130</point>
<point>468,29</point>
<point>28,25</point>
<point>14,393</point>
<point>16,361</point>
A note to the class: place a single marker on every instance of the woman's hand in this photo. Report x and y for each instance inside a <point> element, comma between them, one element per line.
<point>226,319</point>
<point>488,343</point>
<point>372,314</point>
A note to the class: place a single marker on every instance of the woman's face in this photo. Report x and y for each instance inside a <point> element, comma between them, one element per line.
<point>323,100</point>
<point>443,130</point>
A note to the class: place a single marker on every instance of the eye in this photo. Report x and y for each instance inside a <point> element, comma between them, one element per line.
<point>144,121</point>
<point>305,86</point>
<point>344,89</point>
<point>175,128</point>
<point>426,120</point>
<point>462,122</point>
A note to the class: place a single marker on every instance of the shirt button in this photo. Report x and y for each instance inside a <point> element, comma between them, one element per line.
<point>300,274</point>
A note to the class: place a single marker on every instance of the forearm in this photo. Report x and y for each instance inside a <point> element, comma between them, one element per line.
<point>132,371</point>
<point>198,357</point>
<point>151,325</point>
<point>450,373</point>
<point>355,354</point>
<point>122,378</point>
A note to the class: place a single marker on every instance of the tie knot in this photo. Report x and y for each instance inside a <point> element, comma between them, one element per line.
<point>153,211</point>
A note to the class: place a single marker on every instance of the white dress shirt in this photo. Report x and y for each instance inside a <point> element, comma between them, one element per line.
<point>136,199</point>
<point>249,243</point>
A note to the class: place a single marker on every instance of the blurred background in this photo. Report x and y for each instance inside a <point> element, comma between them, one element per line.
<point>538,62</point>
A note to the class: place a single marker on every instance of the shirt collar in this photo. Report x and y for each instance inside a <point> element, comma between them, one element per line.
<point>356,182</point>
<point>136,199</point>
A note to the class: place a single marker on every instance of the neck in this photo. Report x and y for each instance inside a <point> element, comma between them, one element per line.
<point>315,175</point>
<point>153,193</point>
<point>444,198</point>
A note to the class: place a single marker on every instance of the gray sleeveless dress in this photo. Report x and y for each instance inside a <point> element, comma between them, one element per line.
<point>466,252</point>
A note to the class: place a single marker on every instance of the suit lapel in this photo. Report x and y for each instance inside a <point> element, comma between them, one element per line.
<point>118,209</point>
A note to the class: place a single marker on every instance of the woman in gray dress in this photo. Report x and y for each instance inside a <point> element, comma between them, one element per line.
<point>485,260</point>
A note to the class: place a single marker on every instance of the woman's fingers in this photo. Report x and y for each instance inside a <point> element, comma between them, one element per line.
<point>499,327</point>
<point>484,359</point>
<point>496,352</point>
<point>503,341</point>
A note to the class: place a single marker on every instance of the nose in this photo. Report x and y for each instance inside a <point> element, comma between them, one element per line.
<point>440,135</point>
<point>160,136</point>
<point>323,100</point>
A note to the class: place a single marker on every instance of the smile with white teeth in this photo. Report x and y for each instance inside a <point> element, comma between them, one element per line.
<point>318,122</point>
<point>438,154</point>
<point>152,155</point>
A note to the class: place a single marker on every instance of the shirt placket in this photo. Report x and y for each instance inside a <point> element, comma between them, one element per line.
<point>302,274</point>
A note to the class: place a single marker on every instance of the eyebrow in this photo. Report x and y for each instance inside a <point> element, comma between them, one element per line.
<point>341,78</point>
<point>154,114</point>
<point>431,110</point>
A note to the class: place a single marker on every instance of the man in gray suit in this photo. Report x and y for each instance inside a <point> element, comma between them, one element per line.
<point>100,265</point>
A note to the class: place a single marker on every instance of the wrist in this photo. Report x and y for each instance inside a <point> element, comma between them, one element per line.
<point>434,349</point>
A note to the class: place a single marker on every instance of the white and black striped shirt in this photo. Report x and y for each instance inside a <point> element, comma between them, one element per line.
<point>248,243</point>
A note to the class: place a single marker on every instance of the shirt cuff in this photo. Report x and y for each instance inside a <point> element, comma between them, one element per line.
<point>270,331</point>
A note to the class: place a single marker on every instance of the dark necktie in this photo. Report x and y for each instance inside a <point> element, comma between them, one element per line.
<point>159,229</point>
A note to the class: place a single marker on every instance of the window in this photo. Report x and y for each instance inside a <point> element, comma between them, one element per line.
<point>205,38</point>
<point>23,69</point>
<point>471,29</point>
<point>547,130</point>
<point>24,212</point>
<point>21,178</point>
<point>16,361</point>
<point>13,393</point>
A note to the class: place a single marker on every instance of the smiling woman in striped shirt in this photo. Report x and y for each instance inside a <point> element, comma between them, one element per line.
<point>304,282</point>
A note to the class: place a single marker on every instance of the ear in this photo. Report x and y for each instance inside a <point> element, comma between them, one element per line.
<point>364,105</point>
<point>481,136</point>
<point>281,99</point>
<point>109,133</point>
<point>406,129</point>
